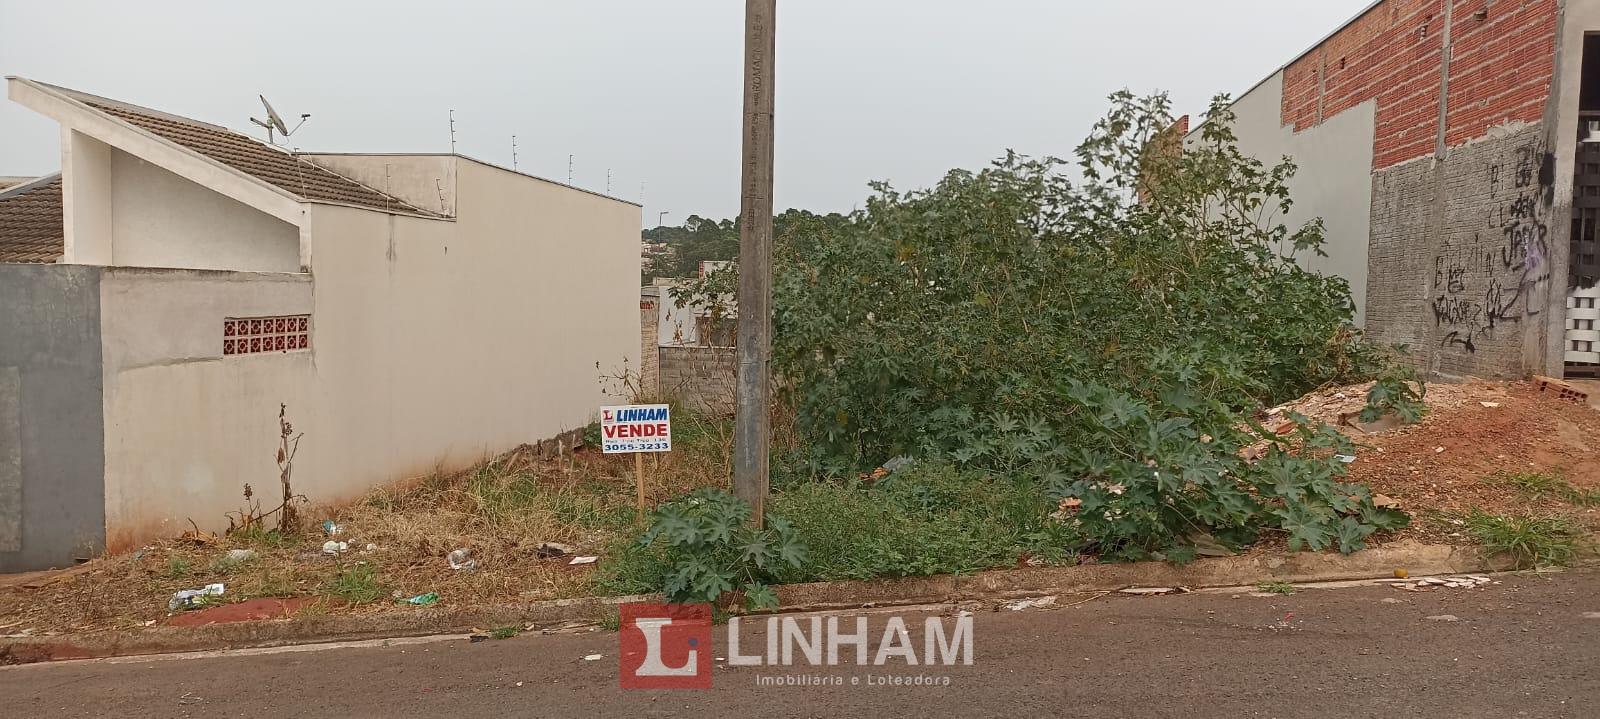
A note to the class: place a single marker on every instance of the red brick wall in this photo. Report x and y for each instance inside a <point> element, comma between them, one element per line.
<point>1500,72</point>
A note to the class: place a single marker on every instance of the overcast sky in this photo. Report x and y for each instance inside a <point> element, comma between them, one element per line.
<point>899,90</point>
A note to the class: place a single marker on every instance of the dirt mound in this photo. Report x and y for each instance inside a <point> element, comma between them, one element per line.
<point>1473,436</point>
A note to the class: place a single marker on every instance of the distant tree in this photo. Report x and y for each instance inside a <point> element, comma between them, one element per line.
<point>698,238</point>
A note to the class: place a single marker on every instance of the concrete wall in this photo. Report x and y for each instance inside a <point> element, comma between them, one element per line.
<point>50,416</point>
<point>427,181</point>
<point>1448,103</point>
<point>186,427</point>
<point>1333,182</point>
<point>701,378</point>
<point>1578,20</point>
<point>159,219</point>
<point>433,344</point>
<point>440,342</point>
<point>1461,259</point>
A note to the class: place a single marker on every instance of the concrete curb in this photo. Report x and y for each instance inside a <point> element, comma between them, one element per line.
<point>1418,559</point>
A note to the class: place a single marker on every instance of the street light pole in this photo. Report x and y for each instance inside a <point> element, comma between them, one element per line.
<point>752,436</point>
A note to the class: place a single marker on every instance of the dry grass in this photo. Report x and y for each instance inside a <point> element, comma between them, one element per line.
<point>502,510</point>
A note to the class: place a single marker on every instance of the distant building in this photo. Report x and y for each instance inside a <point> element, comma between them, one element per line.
<point>687,351</point>
<point>178,282</point>
<point>1453,150</point>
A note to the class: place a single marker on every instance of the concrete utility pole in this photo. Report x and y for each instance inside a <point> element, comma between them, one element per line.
<point>752,435</point>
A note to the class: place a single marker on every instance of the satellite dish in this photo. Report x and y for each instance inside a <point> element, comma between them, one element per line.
<point>272,116</point>
<point>274,123</point>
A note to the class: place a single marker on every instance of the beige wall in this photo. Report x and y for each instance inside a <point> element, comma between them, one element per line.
<point>162,220</point>
<point>1333,182</point>
<point>85,199</point>
<point>441,342</point>
<point>122,210</point>
<point>427,181</point>
<point>185,427</point>
<point>434,343</point>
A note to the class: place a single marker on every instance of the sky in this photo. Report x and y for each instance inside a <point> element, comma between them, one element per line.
<point>648,91</point>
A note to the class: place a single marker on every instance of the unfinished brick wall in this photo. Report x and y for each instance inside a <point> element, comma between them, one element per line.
<point>1458,245</point>
<point>1500,72</point>
<point>702,378</point>
<point>649,358</point>
<point>1458,250</point>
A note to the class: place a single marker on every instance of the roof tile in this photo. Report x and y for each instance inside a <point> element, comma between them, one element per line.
<point>30,222</point>
<point>255,158</point>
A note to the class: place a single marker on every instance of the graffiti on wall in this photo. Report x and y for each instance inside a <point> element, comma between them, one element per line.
<point>1483,284</point>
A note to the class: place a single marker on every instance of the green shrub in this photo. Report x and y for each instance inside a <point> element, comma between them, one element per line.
<point>702,545</point>
<point>1102,339</point>
<point>1392,393</point>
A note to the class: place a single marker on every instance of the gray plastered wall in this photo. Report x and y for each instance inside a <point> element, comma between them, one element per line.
<point>52,458</point>
<point>1460,254</point>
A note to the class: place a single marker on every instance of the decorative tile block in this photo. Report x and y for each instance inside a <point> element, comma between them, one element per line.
<point>253,335</point>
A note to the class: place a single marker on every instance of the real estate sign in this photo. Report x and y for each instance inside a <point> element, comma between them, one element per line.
<point>636,428</point>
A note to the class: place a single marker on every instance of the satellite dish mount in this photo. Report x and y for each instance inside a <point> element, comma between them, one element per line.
<point>274,123</point>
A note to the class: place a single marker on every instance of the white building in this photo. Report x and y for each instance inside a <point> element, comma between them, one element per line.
<point>179,281</point>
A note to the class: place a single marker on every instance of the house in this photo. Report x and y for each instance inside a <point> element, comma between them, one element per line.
<point>1452,150</point>
<point>178,283</point>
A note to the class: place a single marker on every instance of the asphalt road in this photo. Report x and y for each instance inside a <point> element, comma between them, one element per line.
<point>1527,647</point>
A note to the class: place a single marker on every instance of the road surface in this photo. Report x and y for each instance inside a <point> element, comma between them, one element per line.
<point>1526,647</point>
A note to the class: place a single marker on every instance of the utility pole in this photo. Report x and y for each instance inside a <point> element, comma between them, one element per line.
<point>752,434</point>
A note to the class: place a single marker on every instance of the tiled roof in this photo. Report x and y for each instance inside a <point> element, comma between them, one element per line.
<point>30,221</point>
<point>253,157</point>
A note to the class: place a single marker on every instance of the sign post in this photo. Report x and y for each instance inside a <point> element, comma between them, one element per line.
<point>636,429</point>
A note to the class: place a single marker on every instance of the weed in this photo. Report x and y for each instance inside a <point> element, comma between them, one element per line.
<point>505,632</point>
<point>1274,586</point>
<point>611,620</point>
<point>931,519</point>
<point>178,568</point>
<point>1530,541</point>
<point>1539,485</point>
<point>267,583</point>
<point>1392,393</point>
<point>317,608</point>
<point>707,547</point>
<point>1532,485</point>
<point>357,584</point>
<point>226,564</point>
<point>259,537</point>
